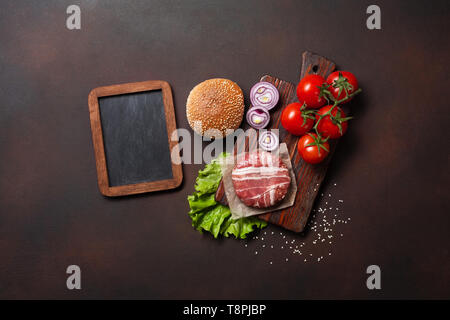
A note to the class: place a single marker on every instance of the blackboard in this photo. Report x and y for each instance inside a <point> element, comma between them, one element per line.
<point>131,129</point>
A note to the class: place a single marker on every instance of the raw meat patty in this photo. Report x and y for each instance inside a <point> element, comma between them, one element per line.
<point>260,179</point>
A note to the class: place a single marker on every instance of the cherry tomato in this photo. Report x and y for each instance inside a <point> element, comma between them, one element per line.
<point>313,148</point>
<point>333,125</point>
<point>296,120</point>
<point>308,91</point>
<point>342,81</point>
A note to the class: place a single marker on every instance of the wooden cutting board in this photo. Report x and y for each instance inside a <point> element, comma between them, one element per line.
<point>309,177</point>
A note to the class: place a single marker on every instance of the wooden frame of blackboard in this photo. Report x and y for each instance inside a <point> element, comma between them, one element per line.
<point>99,148</point>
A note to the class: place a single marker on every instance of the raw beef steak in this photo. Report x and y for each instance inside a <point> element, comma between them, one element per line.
<point>260,179</point>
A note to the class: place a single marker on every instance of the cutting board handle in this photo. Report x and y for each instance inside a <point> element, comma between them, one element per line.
<point>314,64</point>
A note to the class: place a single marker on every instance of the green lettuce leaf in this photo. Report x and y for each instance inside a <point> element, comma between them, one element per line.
<point>211,216</point>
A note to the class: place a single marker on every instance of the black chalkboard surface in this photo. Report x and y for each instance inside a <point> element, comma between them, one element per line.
<point>131,126</point>
<point>135,138</point>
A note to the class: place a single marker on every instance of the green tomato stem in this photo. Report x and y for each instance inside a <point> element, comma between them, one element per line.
<point>336,102</point>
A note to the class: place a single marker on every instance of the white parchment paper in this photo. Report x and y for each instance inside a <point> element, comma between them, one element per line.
<point>238,208</point>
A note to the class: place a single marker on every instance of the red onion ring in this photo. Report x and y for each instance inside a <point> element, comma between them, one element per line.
<point>264,94</point>
<point>268,141</point>
<point>258,117</point>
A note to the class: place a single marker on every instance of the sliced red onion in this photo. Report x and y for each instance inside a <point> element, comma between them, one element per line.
<point>268,141</point>
<point>258,117</point>
<point>264,94</point>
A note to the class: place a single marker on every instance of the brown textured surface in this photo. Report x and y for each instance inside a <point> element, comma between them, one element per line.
<point>391,168</point>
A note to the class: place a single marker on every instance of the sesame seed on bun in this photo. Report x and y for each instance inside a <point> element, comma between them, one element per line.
<point>214,106</point>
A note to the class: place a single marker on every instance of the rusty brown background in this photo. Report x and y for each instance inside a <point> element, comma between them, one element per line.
<point>392,167</point>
